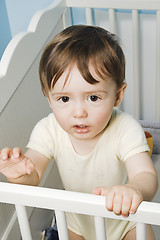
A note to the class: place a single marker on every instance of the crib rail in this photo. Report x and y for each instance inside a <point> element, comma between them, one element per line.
<point>63,201</point>
<point>118,4</point>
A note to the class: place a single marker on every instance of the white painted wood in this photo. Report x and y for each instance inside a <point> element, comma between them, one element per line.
<point>112,21</point>
<point>118,4</point>
<point>148,212</point>
<point>158,68</point>
<point>136,62</point>
<point>23,222</point>
<point>66,18</point>
<point>141,231</point>
<point>89,16</point>
<point>100,228</point>
<point>61,225</point>
<point>23,49</point>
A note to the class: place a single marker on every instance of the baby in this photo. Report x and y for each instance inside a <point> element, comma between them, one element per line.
<point>98,149</point>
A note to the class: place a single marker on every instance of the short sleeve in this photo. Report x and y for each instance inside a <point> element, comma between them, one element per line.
<point>131,138</point>
<point>43,137</point>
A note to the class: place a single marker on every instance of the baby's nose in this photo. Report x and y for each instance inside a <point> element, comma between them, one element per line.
<point>80,111</point>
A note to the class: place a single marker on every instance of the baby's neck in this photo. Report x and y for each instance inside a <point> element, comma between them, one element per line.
<point>83,147</point>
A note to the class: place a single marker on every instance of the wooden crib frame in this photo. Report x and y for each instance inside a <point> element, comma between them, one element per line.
<point>59,200</point>
<point>63,201</point>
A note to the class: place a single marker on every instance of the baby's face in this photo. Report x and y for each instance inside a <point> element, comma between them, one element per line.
<point>82,109</point>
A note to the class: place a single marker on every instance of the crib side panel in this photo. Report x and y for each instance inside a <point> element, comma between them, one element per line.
<point>24,47</point>
<point>64,201</point>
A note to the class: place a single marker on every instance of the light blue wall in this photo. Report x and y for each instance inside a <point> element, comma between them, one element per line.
<point>78,16</point>
<point>5,33</point>
<point>15,16</point>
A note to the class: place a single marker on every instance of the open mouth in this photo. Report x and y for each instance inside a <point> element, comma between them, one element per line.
<point>81,129</point>
<point>81,126</point>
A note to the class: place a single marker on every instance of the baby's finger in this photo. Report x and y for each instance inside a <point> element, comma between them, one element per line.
<point>108,194</point>
<point>17,152</point>
<point>6,153</point>
<point>98,191</point>
<point>137,199</point>
<point>109,200</point>
<point>117,203</point>
<point>126,206</point>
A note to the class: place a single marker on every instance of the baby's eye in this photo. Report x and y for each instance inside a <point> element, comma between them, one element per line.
<point>93,98</point>
<point>64,99</point>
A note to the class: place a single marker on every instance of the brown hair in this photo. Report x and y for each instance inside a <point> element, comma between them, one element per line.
<point>84,46</point>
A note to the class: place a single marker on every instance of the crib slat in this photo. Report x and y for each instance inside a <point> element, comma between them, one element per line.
<point>141,232</point>
<point>136,72</point>
<point>88,12</point>
<point>158,68</point>
<point>66,18</point>
<point>23,222</point>
<point>64,21</point>
<point>100,228</point>
<point>112,21</point>
<point>62,225</point>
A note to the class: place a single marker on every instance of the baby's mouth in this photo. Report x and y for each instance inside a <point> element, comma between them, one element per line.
<point>81,126</point>
<point>81,129</point>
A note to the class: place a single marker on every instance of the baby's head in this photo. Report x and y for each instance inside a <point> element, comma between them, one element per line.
<point>88,48</point>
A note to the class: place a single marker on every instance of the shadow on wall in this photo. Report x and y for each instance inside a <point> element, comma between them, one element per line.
<point>5,31</point>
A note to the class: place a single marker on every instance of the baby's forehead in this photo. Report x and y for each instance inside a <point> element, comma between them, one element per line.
<point>72,79</point>
<point>90,72</point>
<point>73,72</point>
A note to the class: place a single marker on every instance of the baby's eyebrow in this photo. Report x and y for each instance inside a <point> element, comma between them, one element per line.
<point>60,93</point>
<point>96,91</point>
<point>87,92</point>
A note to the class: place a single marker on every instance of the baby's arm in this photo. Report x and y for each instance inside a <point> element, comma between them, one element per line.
<point>22,168</point>
<point>142,175</point>
<point>142,185</point>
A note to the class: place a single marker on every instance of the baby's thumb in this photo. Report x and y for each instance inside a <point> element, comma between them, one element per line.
<point>100,191</point>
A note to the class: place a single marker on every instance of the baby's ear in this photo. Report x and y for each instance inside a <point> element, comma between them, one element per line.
<point>120,94</point>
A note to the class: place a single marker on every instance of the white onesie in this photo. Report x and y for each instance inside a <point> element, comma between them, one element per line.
<point>104,166</point>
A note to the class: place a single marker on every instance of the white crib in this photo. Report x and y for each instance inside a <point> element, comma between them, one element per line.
<point>44,25</point>
<point>62,201</point>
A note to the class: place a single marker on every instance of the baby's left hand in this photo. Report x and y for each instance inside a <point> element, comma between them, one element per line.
<point>122,200</point>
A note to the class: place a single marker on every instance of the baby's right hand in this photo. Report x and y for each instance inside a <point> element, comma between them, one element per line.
<point>13,164</point>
